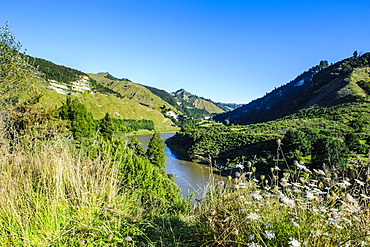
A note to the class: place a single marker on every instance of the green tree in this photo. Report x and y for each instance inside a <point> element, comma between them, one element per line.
<point>355,54</point>
<point>330,151</point>
<point>155,151</point>
<point>106,127</point>
<point>135,145</point>
<point>80,121</point>
<point>16,75</point>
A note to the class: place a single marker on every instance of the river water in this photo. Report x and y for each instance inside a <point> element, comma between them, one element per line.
<point>189,176</point>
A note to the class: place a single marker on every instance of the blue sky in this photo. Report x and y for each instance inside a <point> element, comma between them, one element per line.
<point>225,50</point>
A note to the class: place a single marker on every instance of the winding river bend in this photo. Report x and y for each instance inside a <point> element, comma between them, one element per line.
<point>189,176</point>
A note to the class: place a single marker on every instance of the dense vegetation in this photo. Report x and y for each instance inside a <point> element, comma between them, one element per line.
<point>51,71</point>
<point>321,86</point>
<point>315,136</point>
<point>128,125</point>
<point>69,180</point>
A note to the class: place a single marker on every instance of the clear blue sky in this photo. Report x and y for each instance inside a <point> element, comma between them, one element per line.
<point>225,50</point>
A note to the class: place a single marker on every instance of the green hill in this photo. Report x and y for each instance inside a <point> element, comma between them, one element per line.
<point>130,90</point>
<point>99,98</point>
<point>190,101</point>
<point>322,113</point>
<point>323,85</point>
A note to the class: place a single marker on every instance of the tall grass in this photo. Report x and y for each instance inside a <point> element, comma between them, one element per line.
<point>301,208</point>
<point>51,196</point>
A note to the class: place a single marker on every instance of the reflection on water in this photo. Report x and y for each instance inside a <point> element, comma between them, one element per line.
<point>189,176</point>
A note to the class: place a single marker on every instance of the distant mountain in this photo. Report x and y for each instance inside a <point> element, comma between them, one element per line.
<point>188,100</point>
<point>323,85</point>
<point>228,106</point>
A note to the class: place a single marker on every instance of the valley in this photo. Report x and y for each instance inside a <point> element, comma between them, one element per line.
<point>294,164</point>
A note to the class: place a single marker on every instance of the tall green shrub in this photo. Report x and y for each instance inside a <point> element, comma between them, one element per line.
<point>80,121</point>
<point>155,151</point>
<point>330,151</point>
<point>106,127</point>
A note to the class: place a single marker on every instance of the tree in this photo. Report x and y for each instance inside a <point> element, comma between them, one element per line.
<point>155,151</point>
<point>80,121</point>
<point>16,74</point>
<point>135,145</point>
<point>330,151</point>
<point>106,127</point>
<point>323,64</point>
<point>355,54</point>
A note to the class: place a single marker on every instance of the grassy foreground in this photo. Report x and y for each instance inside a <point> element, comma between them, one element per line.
<point>52,194</point>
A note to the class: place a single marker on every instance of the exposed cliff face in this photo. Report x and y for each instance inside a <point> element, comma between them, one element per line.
<point>343,82</point>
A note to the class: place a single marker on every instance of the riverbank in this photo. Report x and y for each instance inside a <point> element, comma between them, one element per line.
<point>147,132</point>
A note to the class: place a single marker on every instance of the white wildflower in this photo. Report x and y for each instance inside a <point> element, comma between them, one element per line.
<point>303,167</point>
<point>256,195</point>
<point>288,202</point>
<point>240,166</point>
<point>251,237</point>
<point>359,182</point>
<point>295,224</point>
<point>310,195</point>
<point>294,242</point>
<point>269,234</point>
<point>240,186</point>
<point>254,245</point>
<point>351,199</point>
<point>321,172</point>
<point>332,221</point>
<point>353,209</point>
<point>338,226</point>
<point>344,184</point>
<point>299,185</point>
<point>253,216</point>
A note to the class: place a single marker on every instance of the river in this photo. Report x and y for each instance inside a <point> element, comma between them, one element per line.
<point>189,176</point>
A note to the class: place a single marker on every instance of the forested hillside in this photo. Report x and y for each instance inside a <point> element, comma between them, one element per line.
<point>321,117</point>
<point>323,85</point>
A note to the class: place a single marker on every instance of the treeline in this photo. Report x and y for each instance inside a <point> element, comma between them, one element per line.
<point>52,71</point>
<point>129,125</point>
<point>315,136</point>
<point>82,125</point>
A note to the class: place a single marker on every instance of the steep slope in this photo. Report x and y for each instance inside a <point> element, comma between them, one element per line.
<point>128,89</point>
<point>60,81</point>
<point>197,102</point>
<point>343,82</point>
<point>99,104</point>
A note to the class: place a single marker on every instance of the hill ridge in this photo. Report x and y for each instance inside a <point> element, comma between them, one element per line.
<point>322,85</point>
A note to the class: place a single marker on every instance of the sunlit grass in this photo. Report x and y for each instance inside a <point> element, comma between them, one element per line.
<point>310,209</point>
<point>53,194</point>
